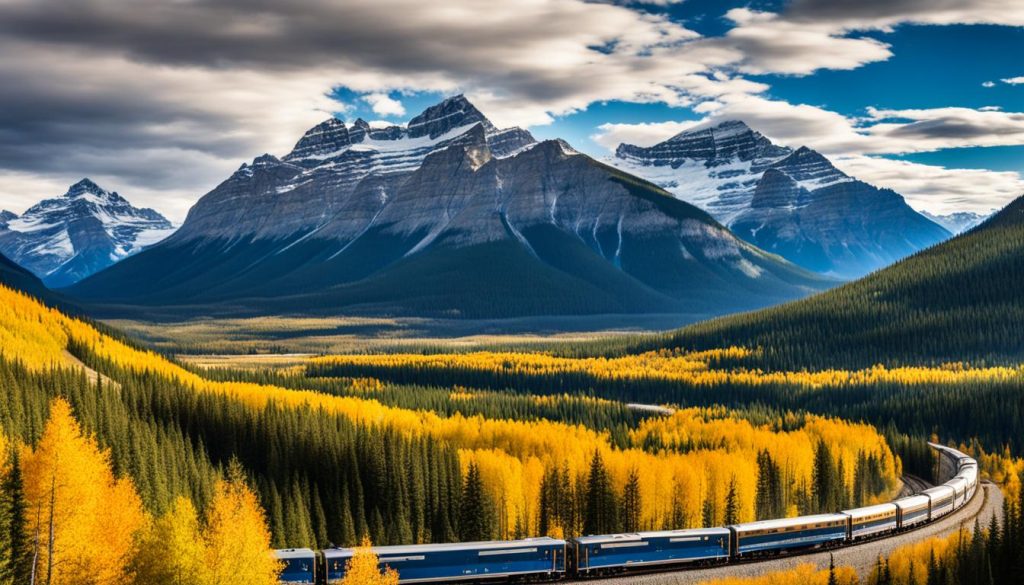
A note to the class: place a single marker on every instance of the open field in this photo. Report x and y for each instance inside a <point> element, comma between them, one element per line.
<point>324,335</point>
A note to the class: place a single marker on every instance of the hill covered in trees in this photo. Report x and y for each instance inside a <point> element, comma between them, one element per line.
<point>335,460</point>
<point>959,301</point>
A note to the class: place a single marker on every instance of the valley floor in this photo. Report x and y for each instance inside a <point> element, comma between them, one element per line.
<point>312,335</point>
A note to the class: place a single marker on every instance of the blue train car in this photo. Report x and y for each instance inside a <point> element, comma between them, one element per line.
<point>913,510</point>
<point>621,551</point>
<point>788,534</point>
<point>872,520</point>
<point>542,558</point>
<point>299,566</point>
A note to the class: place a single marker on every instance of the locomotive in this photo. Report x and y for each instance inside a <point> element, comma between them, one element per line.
<point>545,559</point>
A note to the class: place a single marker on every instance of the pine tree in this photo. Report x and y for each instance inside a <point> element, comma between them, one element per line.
<point>824,478</point>
<point>732,511</point>
<point>601,502</point>
<point>933,569</point>
<point>631,504</point>
<point>475,521</point>
<point>707,513</point>
<point>18,563</point>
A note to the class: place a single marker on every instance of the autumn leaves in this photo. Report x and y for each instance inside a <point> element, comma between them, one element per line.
<point>81,524</point>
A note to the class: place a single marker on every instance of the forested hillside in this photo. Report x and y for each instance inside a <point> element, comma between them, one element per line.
<point>958,301</point>
<point>331,463</point>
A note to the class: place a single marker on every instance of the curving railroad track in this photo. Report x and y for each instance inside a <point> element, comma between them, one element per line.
<point>862,557</point>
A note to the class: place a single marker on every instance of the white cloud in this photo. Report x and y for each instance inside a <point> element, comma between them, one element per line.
<point>646,134</point>
<point>922,130</point>
<point>384,105</point>
<point>771,44</point>
<point>988,84</point>
<point>934,188</point>
<point>1014,80</point>
<point>106,88</point>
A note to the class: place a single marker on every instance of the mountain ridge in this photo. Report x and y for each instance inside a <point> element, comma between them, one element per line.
<point>67,238</point>
<point>955,302</point>
<point>720,168</point>
<point>405,230</point>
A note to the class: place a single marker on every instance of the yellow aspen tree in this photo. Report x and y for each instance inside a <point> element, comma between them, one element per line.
<point>364,569</point>
<point>82,521</point>
<point>171,551</point>
<point>236,537</point>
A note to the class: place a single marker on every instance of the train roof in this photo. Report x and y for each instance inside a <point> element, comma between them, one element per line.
<point>789,522</point>
<point>914,500</point>
<point>939,490</point>
<point>449,546</point>
<point>638,536</point>
<point>294,553</point>
<point>869,510</point>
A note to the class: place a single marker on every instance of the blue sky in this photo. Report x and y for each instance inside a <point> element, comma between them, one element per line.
<point>932,67</point>
<point>905,94</point>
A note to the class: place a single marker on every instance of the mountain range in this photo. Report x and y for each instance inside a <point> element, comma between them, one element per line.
<point>794,203</point>
<point>447,216</point>
<point>957,302</point>
<point>67,238</point>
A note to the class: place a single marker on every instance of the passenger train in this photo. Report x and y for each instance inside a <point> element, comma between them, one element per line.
<point>549,559</point>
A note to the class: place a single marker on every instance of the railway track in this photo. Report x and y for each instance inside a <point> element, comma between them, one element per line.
<point>862,556</point>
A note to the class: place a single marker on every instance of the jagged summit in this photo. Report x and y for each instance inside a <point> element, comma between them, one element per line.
<point>442,217</point>
<point>88,228</point>
<point>793,202</point>
<point>453,112</point>
<point>725,142</point>
<point>332,139</point>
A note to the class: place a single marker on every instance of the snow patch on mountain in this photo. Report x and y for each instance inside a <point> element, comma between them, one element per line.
<point>67,238</point>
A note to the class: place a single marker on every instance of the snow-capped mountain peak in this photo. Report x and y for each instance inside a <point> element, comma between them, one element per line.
<point>793,202</point>
<point>88,228</point>
<point>334,159</point>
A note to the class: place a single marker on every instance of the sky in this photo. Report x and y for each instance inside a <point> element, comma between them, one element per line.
<point>161,101</point>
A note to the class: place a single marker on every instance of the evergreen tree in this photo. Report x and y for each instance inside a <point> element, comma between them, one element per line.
<point>732,508</point>
<point>475,521</point>
<point>707,513</point>
<point>601,502</point>
<point>631,504</point>
<point>823,478</point>
<point>13,543</point>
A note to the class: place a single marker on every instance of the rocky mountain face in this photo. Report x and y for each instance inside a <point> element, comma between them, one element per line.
<point>65,239</point>
<point>795,203</point>
<point>447,216</point>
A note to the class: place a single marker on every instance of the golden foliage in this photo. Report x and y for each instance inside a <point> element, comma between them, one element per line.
<point>236,538</point>
<point>170,552</point>
<point>917,556</point>
<point>233,546</point>
<point>675,365</point>
<point>364,569</point>
<point>513,454</point>
<point>805,574</point>
<point>83,519</point>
